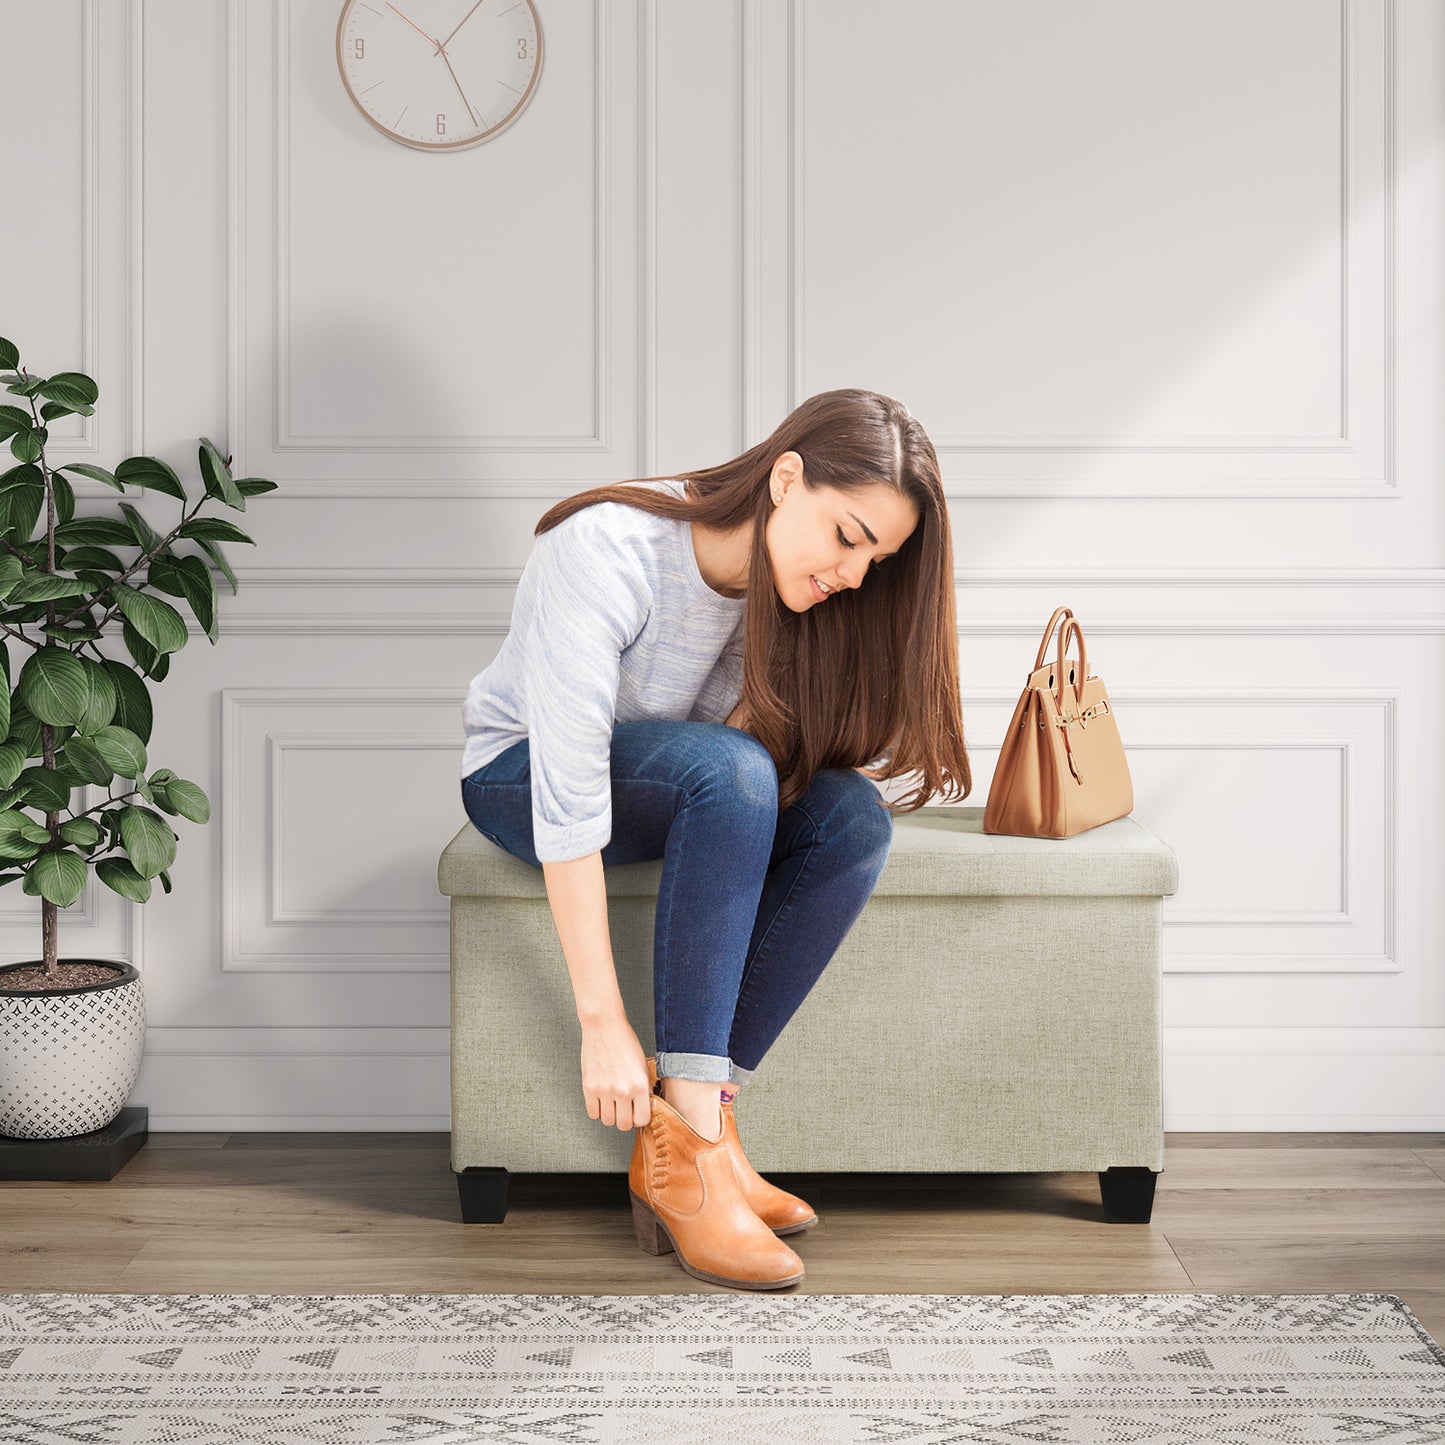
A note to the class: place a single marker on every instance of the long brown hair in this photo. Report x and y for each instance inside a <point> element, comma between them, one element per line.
<point>875,671</point>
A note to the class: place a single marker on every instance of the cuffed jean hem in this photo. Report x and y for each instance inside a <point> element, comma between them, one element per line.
<point>703,1068</point>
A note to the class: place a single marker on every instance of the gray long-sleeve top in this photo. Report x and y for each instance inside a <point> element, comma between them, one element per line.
<point>612,622</point>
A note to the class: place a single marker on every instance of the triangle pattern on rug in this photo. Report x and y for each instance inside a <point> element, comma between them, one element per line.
<point>1351,1356</point>
<point>1281,1359</point>
<point>959,1359</point>
<point>641,1358</point>
<point>1190,1357</point>
<point>161,1359</point>
<point>877,1357</point>
<point>398,1359</point>
<point>1042,1358</point>
<point>562,1358</point>
<point>84,1358</point>
<point>319,1359</point>
<point>239,1359</point>
<point>485,1358</point>
<point>1111,1359</point>
<point>8,1357</point>
<point>723,1358</point>
<point>800,1358</point>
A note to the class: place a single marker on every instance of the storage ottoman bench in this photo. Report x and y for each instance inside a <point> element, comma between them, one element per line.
<point>998,1000</point>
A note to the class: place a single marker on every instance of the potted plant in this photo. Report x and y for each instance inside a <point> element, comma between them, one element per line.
<point>72,1031</point>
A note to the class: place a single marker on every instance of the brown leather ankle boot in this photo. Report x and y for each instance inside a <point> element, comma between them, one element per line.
<point>782,1212</point>
<point>686,1197</point>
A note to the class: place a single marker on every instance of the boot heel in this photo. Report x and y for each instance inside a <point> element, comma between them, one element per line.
<point>650,1234</point>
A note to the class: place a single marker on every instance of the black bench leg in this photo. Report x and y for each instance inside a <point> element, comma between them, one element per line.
<point>483,1189</point>
<point>1128,1194</point>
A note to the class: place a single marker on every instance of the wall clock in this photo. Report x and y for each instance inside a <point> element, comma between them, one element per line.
<point>436,74</point>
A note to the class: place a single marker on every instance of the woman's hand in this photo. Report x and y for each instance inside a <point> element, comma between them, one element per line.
<point>614,1075</point>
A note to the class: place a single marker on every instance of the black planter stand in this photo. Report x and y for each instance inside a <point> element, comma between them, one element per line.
<point>101,1154</point>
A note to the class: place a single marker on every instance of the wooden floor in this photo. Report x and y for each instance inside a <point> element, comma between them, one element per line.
<point>379,1214</point>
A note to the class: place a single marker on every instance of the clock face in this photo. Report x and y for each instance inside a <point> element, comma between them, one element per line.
<point>439,74</point>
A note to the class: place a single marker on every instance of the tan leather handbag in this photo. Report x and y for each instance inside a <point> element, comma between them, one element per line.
<point>1061,769</point>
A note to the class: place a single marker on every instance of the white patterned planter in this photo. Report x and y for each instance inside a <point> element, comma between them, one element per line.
<point>69,1057</point>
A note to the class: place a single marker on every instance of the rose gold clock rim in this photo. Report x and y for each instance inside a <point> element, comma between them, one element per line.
<point>451,145</point>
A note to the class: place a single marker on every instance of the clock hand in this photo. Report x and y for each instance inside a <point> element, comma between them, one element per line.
<point>420,31</point>
<point>463,93</point>
<point>459,25</point>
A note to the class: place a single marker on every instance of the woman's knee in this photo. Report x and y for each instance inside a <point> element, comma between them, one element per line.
<point>736,767</point>
<point>856,806</point>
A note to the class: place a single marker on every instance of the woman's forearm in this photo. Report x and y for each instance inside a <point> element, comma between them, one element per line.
<point>578,895</point>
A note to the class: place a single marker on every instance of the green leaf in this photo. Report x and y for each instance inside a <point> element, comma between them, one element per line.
<point>150,472</point>
<point>147,659</point>
<point>19,508</point>
<point>148,840</point>
<point>83,832</point>
<point>35,831</point>
<point>27,474</point>
<point>71,388</point>
<point>24,729</point>
<point>217,474</point>
<point>133,700</point>
<point>45,587</point>
<point>54,685</point>
<point>12,759</point>
<point>158,622</point>
<point>100,705</point>
<point>27,386</point>
<point>14,847</point>
<point>213,529</point>
<point>188,800</point>
<point>219,558</point>
<point>145,535</point>
<point>254,486</point>
<point>96,474</point>
<point>84,759</point>
<point>144,790</point>
<point>163,875</point>
<point>64,499</point>
<point>58,876</point>
<point>118,874</point>
<point>9,354</point>
<point>72,632</point>
<point>26,445</point>
<point>95,531</point>
<point>122,749</point>
<point>53,409</point>
<point>89,559</point>
<point>43,788</point>
<point>14,419</point>
<point>163,576</point>
<point>199,588</point>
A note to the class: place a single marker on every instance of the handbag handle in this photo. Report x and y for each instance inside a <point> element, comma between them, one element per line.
<point>1044,641</point>
<point>1071,625</point>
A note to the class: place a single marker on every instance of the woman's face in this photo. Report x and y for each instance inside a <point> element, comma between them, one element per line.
<point>829,536</point>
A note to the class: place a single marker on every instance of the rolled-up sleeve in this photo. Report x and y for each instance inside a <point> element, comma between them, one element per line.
<point>587,599</point>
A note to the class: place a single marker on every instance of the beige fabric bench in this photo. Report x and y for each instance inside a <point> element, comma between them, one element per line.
<point>998,996</point>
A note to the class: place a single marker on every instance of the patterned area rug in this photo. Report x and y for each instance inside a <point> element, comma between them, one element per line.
<point>1166,1369</point>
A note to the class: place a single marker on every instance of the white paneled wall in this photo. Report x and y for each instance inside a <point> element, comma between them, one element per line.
<point>1162,281</point>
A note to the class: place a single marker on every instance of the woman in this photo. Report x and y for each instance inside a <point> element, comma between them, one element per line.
<point>699,669</point>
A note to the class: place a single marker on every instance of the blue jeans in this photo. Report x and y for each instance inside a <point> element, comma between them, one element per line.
<point>751,905</point>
